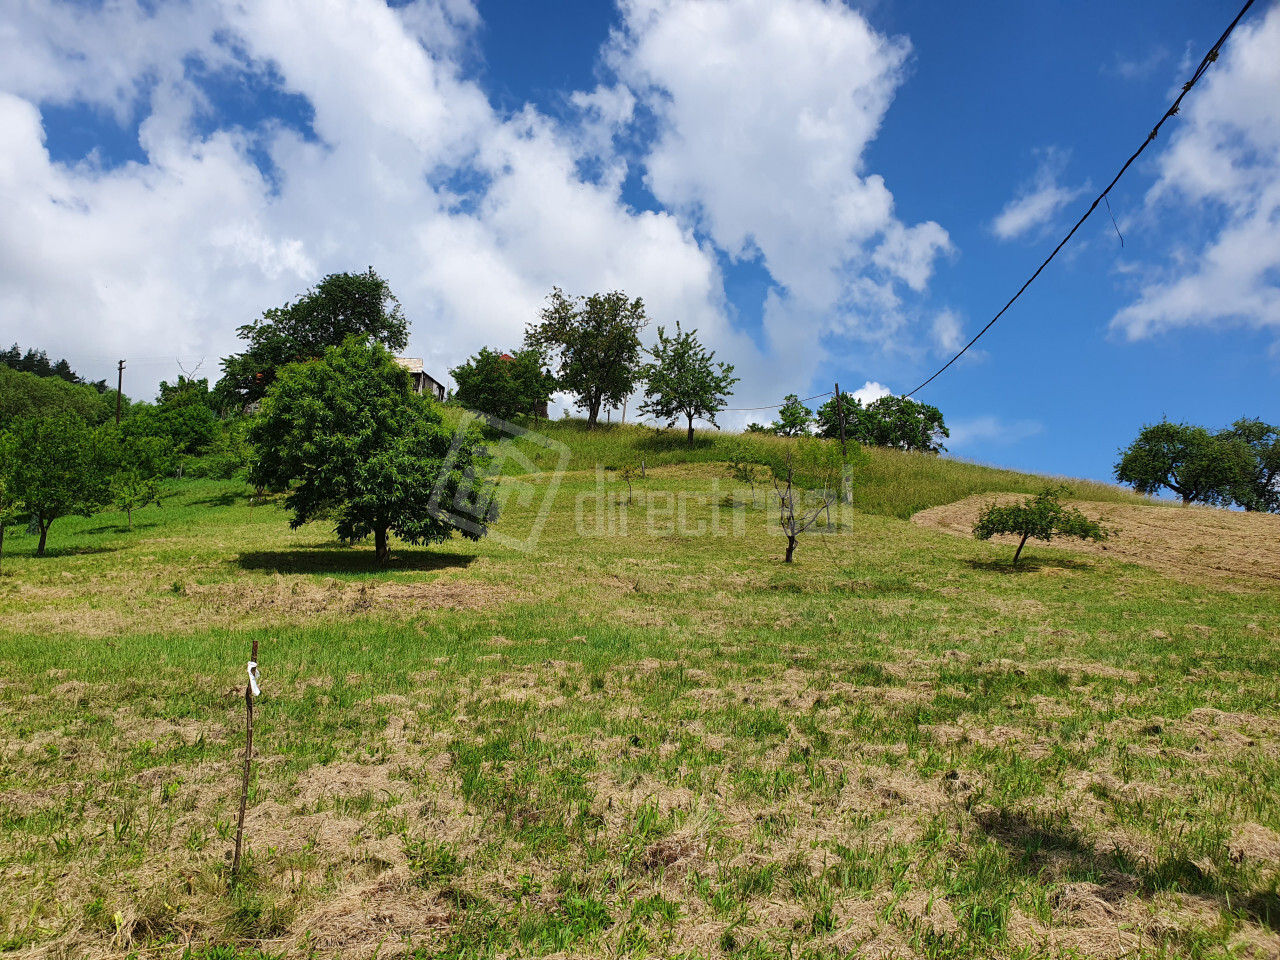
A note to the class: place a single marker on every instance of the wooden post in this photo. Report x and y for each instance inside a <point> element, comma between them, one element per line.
<point>845,483</point>
<point>248,756</point>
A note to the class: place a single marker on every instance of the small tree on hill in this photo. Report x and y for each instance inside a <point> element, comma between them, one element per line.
<point>1195,464</point>
<point>141,463</point>
<point>808,484</point>
<point>595,342</point>
<point>56,469</point>
<point>355,445</point>
<point>744,464</point>
<point>683,382</point>
<point>1041,517</point>
<point>794,418</point>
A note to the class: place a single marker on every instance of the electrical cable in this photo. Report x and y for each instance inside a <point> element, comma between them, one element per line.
<point>818,396</point>
<point>1209,58</point>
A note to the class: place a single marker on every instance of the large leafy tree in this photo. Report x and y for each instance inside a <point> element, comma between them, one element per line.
<point>1200,467</point>
<point>504,385</point>
<point>897,422</point>
<point>354,444</point>
<point>1041,517</point>
<point>342,305</point>
<point>682,381</point>
<point>1259,487</point>
<point>56,468</point>
<point>595,343</point>
<point>794,418</point>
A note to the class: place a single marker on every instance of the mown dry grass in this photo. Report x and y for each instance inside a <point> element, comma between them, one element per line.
<point>649,744</point>
<point>1190,543</point>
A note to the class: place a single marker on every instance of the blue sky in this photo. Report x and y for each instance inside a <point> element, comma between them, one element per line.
<point>827,191</point>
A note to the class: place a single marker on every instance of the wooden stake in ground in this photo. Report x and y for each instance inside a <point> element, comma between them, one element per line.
<point>250,691</point>
<point>845,482</point>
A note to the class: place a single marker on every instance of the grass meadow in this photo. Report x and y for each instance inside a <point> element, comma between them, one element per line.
<point>636,734</point>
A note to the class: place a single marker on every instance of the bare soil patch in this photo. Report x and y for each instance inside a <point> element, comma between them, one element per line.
<point>1188,543</point>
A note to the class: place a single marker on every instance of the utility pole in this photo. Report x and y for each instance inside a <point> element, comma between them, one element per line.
<point>119,389</point>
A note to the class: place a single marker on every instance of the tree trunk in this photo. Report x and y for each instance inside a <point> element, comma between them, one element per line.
<point>690,433</point>
<point>44,532</point>
<point>1017,553</point>
<point>380,551</point>
<point>593,413</point>
<point>791,547</point>
<point>128,512</point>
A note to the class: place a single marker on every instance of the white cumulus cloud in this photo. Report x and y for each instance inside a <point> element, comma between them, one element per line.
<point>763,111</point>
<point>1223,160</point>
<point>1037,201</point>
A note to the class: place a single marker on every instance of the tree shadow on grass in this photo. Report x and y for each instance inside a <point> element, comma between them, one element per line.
<point>52,553</point>
<point>1044,847</point>
<point>122,527</point>
<point>1029,564</point>
<point>341,559</point>
<point>228,499</point>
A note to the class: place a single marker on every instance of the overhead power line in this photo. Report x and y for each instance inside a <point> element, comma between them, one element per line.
<point>775,406</point>
<point>1209,58</point>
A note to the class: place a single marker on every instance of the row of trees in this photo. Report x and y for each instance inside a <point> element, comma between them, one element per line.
<point>898,422</point>
<point>1238,465</point>
<point>594,344</point>
<point>37,362</point>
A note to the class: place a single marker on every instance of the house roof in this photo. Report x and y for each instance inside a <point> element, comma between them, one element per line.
<point>412,364</point>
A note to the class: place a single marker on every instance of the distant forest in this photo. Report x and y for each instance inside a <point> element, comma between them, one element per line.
<point>38,362</point>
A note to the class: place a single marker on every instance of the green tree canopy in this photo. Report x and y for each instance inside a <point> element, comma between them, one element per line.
<point>342,305</point>
<point>1259,487</point>
<point>354,444</point>
<point>1197,465</point>
<point>24,395</point>
<point>897,422</point>
<point>191,428</point>
<point>682,381</point>
<point>794,418</point>
<point>136,465</point>
<point>185,392</point>
<point>595,343</point>
<point>1041,517</point>
<point>56,468</point>
<point>504,385</point>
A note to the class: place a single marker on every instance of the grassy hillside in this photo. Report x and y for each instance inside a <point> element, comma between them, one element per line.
<point>892,484</point>
<point>636,733</point>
